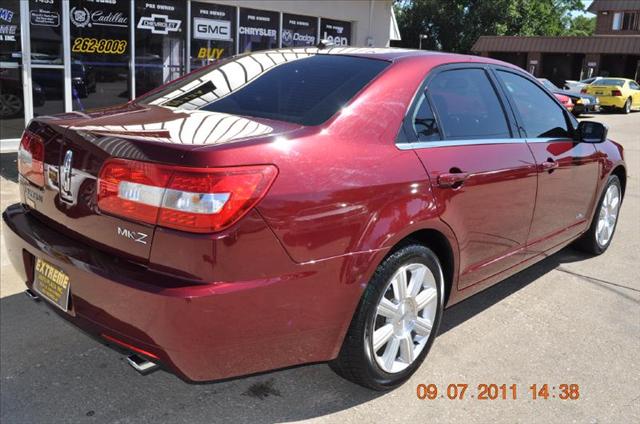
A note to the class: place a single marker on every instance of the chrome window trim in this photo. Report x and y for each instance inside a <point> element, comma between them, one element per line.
<point>549,139</point>
<point>474,142</point>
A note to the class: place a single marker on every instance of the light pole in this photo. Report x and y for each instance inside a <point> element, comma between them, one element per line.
<point>420,38</point>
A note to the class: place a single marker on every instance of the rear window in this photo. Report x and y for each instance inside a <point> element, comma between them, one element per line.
<point>302,90</point>
<point>609,81</point>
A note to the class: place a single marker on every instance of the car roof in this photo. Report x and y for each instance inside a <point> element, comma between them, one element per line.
<point>393,54</point>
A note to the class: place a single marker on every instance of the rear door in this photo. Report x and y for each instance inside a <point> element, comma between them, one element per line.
<point>635,93</point>
<point>483,175</point>
<point>567,170</point>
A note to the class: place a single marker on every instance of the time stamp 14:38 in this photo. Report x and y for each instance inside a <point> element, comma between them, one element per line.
<point>484,391</point>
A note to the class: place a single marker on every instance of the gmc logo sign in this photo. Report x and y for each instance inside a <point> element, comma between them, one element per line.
<point>211,29</point>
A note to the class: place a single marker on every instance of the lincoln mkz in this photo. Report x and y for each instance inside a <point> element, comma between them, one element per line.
<point>312,205</point>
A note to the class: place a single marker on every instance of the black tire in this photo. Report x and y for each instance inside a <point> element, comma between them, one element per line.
<point>588,242</point>
<point>356,362</point>
<point>626,109</point>
<point>12,105</point>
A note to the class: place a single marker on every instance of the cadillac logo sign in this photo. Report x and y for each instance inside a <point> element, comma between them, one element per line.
<point>159,24</point>
<point>81,17</point>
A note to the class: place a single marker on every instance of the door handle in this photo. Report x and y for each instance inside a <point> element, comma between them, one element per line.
<point>549,165</point>
<point>452,180</point>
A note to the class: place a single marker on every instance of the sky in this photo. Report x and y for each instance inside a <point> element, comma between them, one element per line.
<point>586,4</point>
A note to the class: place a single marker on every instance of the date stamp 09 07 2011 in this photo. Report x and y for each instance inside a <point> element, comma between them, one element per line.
<point>492,391</point>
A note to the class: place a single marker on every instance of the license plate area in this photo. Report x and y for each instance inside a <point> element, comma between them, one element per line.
<point>51,283</point>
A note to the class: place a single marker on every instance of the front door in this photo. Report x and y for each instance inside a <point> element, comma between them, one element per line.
<point>483,177</point>
<point>567,170</point>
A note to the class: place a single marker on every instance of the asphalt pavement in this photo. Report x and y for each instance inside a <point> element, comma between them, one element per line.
<point>570,319</point>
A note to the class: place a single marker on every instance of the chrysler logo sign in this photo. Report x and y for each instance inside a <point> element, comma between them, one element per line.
<point>159,24</point>
<point>211,29</point>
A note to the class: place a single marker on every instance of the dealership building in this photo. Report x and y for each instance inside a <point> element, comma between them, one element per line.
<point>614,49</point>
<point>71,55</point>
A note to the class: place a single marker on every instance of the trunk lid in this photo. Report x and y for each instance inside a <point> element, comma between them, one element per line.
<point>602,90</point>
<point>77,145</point>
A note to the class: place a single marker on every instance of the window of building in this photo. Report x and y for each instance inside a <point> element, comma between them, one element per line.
<point>11,95</point>
<point>160,43</point>
<point>467,105</point>
<point>47,58</point>
<point>336,32</point>
<point>626,21</point>
<point>299,31</point>
<point>213,33</point>
<point>100,53</point>
<point>541,116</point>
<point>258,30</point>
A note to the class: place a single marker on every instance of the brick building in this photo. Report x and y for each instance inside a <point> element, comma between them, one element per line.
<point>614,50</point>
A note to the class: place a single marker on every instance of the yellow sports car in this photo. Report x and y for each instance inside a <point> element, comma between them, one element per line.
<point>616,93</point>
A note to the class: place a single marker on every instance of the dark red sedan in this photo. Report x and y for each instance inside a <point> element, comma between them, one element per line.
<point>296,206</point>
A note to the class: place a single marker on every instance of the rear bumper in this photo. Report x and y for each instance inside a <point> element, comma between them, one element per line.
<point>609,101</point>
<point>582,108</point>
<point>199,331</point>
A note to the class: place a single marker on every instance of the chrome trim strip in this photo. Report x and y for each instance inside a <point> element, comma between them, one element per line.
<point>453,143</point>
<point>548,139</point>
<point>473,142</point>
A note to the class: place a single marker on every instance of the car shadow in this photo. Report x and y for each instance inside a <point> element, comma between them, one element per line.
<point>47,365</point>
<point>9,166</point>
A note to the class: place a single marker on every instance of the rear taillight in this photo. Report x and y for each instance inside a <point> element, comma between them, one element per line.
<point>616,93</point>
<point>198,200</point>
<point>31,158</point>
<point>583,91</point>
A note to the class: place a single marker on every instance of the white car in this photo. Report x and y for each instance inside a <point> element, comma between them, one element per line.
<point>579,85</point>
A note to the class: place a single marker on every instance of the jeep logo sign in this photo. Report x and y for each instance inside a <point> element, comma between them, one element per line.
<point>337,40</point>
<point>211,29</point>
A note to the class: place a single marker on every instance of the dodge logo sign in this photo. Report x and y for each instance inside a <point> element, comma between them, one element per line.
<point>211,29</point>
<point>159,24</point>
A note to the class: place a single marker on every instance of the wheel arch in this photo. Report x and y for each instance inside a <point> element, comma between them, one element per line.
<point>620,172</point>
<point>440,244</point>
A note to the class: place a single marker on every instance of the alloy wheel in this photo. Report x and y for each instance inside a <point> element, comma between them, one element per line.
<point>608,215</point>
<point>404,317</point>
<point>10,104</point>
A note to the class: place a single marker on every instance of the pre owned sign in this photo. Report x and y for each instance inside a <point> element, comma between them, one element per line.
<point>211,29</point>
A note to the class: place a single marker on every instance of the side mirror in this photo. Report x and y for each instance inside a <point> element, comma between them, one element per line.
<point>592,132</point>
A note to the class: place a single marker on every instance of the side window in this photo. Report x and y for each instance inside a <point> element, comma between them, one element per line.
<point>540,115</point>
<point>467,105</point>
<point>634,86</point>
<point>424,123</point>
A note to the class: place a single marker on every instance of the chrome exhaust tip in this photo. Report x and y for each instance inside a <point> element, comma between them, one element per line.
<point>142,365</point>
<point>32,295</point>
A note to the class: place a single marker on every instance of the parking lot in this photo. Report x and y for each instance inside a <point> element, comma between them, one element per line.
<point>570,319</point>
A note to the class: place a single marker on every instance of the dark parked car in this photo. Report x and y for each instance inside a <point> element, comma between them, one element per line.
<point>582,102</point>
<point>297,206</point>
<point>11,95</point>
